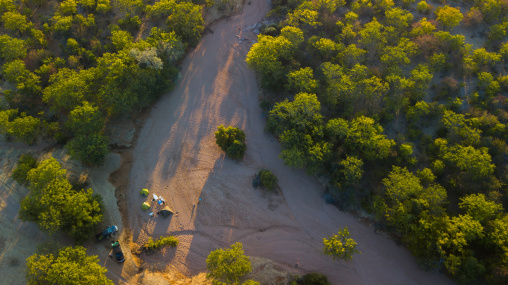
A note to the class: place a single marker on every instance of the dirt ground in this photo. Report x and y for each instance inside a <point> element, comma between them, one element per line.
<point>176,158</point>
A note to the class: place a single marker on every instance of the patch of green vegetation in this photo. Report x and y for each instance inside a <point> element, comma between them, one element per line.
<point>161,242</point>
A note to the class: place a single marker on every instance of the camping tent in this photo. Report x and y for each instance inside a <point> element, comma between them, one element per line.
<point>145,206</point>
<point>166,212</point>
<point>144,192</point>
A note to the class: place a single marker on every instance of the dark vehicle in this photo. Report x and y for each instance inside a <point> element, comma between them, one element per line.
<point>107,233</point>
<point>117,251</point>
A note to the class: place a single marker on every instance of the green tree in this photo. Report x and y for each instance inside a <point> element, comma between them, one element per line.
<point>231,140</point>
<point>91,149</point>
<point>228,266</point>
<point>169,46</point>
<point>484,58</point>
<point>67,89</point>
<point>365,137</point>
<point>476,163</point>
<point>325,47</point>
<point>25,128</point>
<point>406,200</point>
<point>103,6</point>
<point>121,39</point>
<point>267,179</point>
<point>12,48</point>
<point>186,21</point>
<point>351,170</point>
<point>67,8</point>
<point>85,120</point>
<point>26,163</point>
<point>14,21</point>
<point>448,16</point>
<point>373,36</point>
<point>71,266</point>
<point>479,208</point>
<point>398,18</point>
<point>265,57</point>
<point>302,80</point>
<point>460,129</point>
<point>54,205</point>
<point>340,246</point>
<point>302,114</point>
<point>162,8</point>
<point>294,35</point>
<point>26,82</point>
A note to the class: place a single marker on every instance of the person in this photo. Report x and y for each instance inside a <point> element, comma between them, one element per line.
<point>110,255</point>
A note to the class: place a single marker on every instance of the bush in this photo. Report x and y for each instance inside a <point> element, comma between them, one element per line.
<point>231,140</point>
<point>236,150</point>
<point>89,149</point>
<point>162,241</point>
<point>314,279</point>
<point>267,179</point>
<point>26,163</point>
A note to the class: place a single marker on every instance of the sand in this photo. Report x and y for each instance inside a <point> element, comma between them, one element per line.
<point>176,157</point>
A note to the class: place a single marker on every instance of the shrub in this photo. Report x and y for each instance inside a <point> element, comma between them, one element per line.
<point>314,279</point>
<point>422,7</point>
<point>267,179</point>
<point>236,150</point>
<point>25,164</point>
<point>340,246</point>
<point>231,140</point>
<point>162,241</point>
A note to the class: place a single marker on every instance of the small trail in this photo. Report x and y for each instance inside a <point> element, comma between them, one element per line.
<point>212,196</point>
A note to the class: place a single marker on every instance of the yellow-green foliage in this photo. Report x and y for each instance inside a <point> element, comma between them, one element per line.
<point>162,241</point>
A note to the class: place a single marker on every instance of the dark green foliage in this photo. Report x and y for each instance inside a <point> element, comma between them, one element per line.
<point>236,150</point>
<point>85,120</point>
<point>25,164</point>
<point>267,179</point>
<point>231,140</point>
<point>90,149</point>
<point>54,205</point>
<point>187,22</point>
<point>314,279</point>
<point>55,268</point>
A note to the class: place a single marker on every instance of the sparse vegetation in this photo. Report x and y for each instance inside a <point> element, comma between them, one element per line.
<point>161,242</point>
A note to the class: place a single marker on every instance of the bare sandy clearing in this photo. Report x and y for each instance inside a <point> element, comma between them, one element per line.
<point>176,157</point>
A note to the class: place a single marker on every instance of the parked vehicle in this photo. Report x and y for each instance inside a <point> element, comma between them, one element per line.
<point>107,233</point>
<point>117,251</point>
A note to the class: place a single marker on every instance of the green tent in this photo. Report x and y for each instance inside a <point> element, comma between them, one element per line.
<point>166,212</point>
<point>144,192</point>
<point>145,206</point>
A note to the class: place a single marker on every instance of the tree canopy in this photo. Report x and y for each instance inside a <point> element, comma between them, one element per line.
<point>71,266</point>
